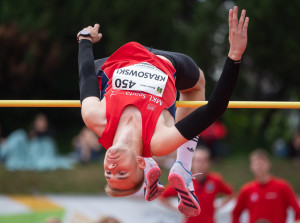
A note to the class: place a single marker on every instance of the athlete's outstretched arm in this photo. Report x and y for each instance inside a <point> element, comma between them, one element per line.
<point>202,117</point>
<point>88,83</point>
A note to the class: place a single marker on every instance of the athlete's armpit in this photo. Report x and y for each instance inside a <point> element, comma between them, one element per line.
<point>93,114</point>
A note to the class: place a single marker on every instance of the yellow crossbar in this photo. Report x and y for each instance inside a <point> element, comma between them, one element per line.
<point>246,104</point>
<point>191,104</point>
<point>40,103</point>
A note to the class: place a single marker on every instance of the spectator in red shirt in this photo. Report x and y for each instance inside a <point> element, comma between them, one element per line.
<point>212,138</point>
<point>207,186</point>
<point>266,197</point>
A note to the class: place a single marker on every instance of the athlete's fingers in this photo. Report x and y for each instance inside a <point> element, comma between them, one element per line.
<point>230,14</point>
<point>96,27</point>
<point>97,37</point>
<point>242,19</point>
<point>230,19</point>
<point>234,18</point>
<point>245,27</point>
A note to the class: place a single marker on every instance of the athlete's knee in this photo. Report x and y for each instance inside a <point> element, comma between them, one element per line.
<point>200,85</point>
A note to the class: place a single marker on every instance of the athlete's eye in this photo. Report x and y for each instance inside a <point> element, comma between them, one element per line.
<point>107,172</point>
<point>122,173</point>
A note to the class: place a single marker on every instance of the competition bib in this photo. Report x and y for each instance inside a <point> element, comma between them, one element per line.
<point>140,77</point>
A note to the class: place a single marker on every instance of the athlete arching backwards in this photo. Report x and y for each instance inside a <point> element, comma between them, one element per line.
<point>128,100</point>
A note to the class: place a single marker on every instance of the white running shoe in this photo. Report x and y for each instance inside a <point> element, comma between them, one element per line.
<point>181,180</point>
<point>153,188</point>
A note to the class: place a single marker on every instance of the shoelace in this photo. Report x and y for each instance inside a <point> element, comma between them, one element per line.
<point>191,184</point>
<point>196,174</point>
<point>192,175</point>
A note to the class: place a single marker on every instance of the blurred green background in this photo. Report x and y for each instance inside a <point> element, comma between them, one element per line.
<point>89,179</point>
<point>38,60</point>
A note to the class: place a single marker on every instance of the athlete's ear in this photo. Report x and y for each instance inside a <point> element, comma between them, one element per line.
<point>141,162</point>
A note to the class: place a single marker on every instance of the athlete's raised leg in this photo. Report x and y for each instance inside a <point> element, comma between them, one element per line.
<point>180,176</point>
<point>196,93</point>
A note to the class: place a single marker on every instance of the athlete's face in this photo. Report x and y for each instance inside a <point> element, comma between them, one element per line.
<point>259,166</point>
<point>122,168</point>
<point>201,161</point>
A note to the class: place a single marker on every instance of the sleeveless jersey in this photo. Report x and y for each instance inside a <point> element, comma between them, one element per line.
<point>134,76</point>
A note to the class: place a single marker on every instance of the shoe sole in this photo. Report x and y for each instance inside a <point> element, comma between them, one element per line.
<point>153,189</point>
<point>187,203</point>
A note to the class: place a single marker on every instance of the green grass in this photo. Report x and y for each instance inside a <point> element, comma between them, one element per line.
<point>35,217</point>
<point>89,179</point>
<point>86,179</point>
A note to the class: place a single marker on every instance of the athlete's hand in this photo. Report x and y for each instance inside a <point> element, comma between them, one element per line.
<point>95,35</point>
<point>237,33</point>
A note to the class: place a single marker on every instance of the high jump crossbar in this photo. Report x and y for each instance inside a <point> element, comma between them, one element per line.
<point>190,104</point>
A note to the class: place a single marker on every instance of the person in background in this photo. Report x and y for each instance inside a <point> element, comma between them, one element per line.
<point>35,149</point>
<point>294,147</point>
<point>40,127</point>
<point>212,136</point>
<point>267,197</point>
<point>86,146</point>
<point>207,186</point>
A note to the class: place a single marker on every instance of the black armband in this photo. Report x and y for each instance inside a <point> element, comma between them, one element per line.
<point>88,82</point>
<point>196,122</point>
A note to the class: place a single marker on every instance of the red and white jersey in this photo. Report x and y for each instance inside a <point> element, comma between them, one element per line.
<point>266,201</point>
<point>136,77</point>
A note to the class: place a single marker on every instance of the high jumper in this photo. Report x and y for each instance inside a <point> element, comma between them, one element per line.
<point>129,102</point>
